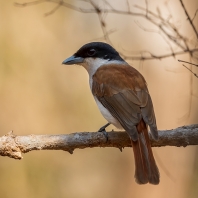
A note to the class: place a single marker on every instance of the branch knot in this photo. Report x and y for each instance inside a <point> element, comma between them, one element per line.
<point>9,146</point>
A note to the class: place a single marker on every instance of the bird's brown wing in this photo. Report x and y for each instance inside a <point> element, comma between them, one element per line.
<point>123,91</point>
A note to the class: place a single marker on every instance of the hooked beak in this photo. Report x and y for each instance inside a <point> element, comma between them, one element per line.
<point>73,60</point>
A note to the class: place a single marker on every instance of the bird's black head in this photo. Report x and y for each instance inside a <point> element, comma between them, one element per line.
<point>98,50</point>
<point>94,50</point>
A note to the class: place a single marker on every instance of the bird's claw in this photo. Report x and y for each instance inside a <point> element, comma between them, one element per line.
<point>103,127</point>
<point>102,130</point>
<point>105,134</point>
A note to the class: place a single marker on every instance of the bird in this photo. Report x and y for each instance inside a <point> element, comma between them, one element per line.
<point>122,96</point>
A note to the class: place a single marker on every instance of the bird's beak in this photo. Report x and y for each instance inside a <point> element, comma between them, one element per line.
<point>73,60</point>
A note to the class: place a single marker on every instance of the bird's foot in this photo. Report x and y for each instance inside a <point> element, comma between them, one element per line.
<point>105,134</point>
<point>103,127</point>
<point>102,130</point>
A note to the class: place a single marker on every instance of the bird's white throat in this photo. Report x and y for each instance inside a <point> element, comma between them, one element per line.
<point>92,64</point>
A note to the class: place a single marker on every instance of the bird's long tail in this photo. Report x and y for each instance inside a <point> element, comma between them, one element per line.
<point>145,167</point>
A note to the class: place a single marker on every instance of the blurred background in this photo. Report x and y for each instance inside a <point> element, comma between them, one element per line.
<point>39,95</point>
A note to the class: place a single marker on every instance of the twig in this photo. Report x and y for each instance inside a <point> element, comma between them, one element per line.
<point>128,6</point>
<point>166,29</point>
<point>188,63</point>
<point>190,70</point>
<point>158,32</point>
<point>159,57</point>
<point>163,25</point>
<point>13,146</point>
<point>188,17</point>
<point>194,15</point>
<point>55,8</point>
<point>64,4</point>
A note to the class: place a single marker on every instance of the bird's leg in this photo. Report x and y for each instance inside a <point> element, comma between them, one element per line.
<point>102,129</point>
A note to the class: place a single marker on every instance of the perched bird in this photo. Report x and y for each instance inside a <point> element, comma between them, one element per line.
<point>122,96</point>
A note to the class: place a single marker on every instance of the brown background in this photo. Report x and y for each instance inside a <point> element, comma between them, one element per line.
<point>38,95</point>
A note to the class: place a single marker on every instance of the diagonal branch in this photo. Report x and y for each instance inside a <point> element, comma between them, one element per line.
<point>165,27</point>
<point>13,146</point>
<point>188,63</point>
<point>190,70</point>
<point>194,15</point>
<point>188,17</point>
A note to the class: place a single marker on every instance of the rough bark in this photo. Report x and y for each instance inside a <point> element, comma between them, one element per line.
<point>13,146</point>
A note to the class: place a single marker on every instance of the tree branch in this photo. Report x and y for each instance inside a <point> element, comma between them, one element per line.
<point>167,29</point>
<point>188,17</point>
<point>152,56</point>
<point>188,68</point>
<point>13,146</point>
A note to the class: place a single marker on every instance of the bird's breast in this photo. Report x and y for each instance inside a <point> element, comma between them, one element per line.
<point>104,111</point>
<point>107,115</point>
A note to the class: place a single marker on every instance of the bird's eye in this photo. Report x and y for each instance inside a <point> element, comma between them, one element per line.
<point>91,52</point>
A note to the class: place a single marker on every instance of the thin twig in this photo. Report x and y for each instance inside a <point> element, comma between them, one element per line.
<point>159,57</point>
<point>128,6</point>
<point>188,63</point>
<point>195,15</point>
<point>55,9</point>
<point>188,17</point>
<point>190,70</point>
<point>166,29</point>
